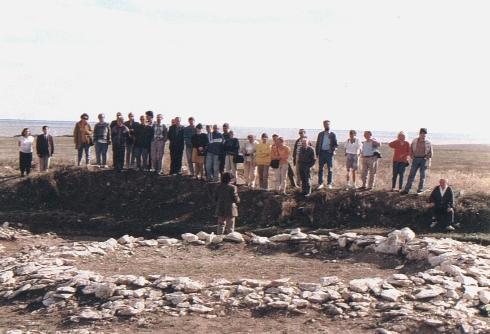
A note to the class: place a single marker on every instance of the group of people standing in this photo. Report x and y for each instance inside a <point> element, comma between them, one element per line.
<point>211,153</point>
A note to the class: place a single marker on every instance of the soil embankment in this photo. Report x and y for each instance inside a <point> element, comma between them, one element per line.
<point>76,201</point>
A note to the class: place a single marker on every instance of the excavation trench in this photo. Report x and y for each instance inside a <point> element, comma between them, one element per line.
<point>105,203</point>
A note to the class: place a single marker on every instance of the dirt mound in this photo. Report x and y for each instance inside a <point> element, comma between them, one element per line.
<point>108,203</point>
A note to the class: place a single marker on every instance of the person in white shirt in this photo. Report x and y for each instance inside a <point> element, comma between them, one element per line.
<point>249,150</point>
<point>25,143</point>
<point>353,147</point>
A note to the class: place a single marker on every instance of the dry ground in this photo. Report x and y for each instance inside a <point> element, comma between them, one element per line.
<point>230,261</point>
<point>466,166</point>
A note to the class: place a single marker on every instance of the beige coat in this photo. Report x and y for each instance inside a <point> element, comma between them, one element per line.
<point>82,135</point>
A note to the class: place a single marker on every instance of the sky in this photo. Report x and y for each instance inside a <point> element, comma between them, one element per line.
<point>380,65</point>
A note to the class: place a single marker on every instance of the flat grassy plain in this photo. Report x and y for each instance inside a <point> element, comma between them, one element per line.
<point>466,166</point>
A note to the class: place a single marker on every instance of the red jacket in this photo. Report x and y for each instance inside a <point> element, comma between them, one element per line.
<point>402,150</point>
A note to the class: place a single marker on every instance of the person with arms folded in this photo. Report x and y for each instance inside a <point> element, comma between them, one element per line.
<point>199,146</point>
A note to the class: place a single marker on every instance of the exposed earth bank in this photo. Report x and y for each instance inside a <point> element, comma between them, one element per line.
<point>77,201</point>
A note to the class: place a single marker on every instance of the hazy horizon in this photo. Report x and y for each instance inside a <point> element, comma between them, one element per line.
<point>381,65</point>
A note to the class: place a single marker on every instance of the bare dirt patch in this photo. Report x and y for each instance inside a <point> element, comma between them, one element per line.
<point>233,262</point>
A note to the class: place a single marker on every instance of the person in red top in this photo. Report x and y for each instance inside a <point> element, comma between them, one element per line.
<point>400,159</point>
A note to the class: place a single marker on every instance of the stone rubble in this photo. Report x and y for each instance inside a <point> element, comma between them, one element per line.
<point>449,295</point>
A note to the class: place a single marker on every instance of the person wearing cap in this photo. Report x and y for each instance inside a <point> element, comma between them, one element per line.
<point>296,149</point>
<point>159,138</point>
<point>326,145</point>
<point>82,136</point>
<point>280,152</point>
<point>131,124</point>
<point>249,150</point>
<point>189,132</point>
<point>305,160</point>
<point>442,200</point>
<point>226,198</point>
<point>421,153</point>
<point>44,148</point>
<point>119,135</point>
<point>143,134</point>
<point>263,161</point>
<point>401,156</point>
<point>177,144</point>
<point>213,154</point>
<point>369,160</point>
<point>353,147</point>
<point>199,145</point>
<point>102,140</point>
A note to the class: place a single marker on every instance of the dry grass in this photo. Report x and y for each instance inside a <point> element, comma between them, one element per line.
<point>466,166</point>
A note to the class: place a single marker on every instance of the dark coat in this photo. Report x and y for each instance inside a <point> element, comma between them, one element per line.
<point>44,146</point>
<point>131,126</point>
<point>442,202</point>
<point>231,146</point>
<point>143,134</point>
<point>226,197</point>
<point>176,136</point>
<point>306,157</point>
<point>119,135</point>
<point>333,142</point>
<point>200,140</point>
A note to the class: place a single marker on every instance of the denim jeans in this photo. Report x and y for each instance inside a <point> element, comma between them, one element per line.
<point>188,156</point>
<point>325,157</point>
<point>86,148</point>
<point>130,158</point>
<point>417,164</point>
<point>398,172</point>
<point>305,176</point>
<point>141,156</point>
<point>212,166</point>
<point>101,153</point>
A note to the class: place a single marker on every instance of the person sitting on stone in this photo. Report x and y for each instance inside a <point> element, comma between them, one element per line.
<point>442,199</point>
<point>226,197</point>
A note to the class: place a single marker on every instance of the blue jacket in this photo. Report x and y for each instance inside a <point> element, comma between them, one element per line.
<point>216,143</point>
